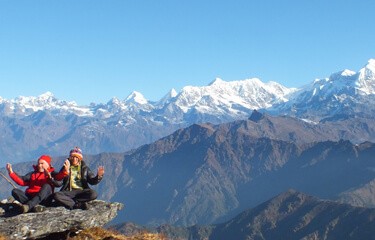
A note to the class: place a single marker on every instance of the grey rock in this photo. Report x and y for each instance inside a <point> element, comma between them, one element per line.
<point>58,220</point>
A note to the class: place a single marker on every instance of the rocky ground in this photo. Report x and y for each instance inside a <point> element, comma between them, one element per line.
<point>56,221</point>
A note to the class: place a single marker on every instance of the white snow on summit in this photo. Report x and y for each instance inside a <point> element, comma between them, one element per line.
<point>45,101</point>
<point>167,97</point>
<point>340,86</point>
<point>248,93</point>
<point>366,78</point>
<point>136,97</point>
<point>219,98</point>
<point>347,73</point>
<point>217,81</point>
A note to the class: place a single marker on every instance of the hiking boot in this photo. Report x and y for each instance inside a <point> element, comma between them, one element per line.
<point>8,200</point>
<point>11,205</point>
<point>39,208</point>
<point>17,204</point>
<point>85,206</point>
<point>11,199</point>
<point>81,205</point>
<point>25,208</point>
<point>77,205</point>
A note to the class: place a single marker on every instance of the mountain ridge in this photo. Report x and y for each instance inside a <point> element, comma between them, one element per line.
<point>32,126</point>
<point>208,173</point>
<point>288,215</point>
<point>362,81</point>
<point>218,169</point>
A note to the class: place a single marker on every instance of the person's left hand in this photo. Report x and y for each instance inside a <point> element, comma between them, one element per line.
<point>100,171</point>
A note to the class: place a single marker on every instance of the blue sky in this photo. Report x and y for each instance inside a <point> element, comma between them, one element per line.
<point>93,50</point>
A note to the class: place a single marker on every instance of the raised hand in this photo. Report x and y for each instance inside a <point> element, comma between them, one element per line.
<point>9,168</point>
<point>67,165</point>
<point>100,171</point>
<point>46,171</point>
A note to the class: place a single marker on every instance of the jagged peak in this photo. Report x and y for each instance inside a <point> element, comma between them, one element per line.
<point>115,101</point>
<point>291,191</point>
<point>369,69</point>
<point>252,81</point>
<point>291,195</point>
<point>347,73</point>
<point>256,116</point>
<point>342,75</point>
<point>172,92</point>
<point>216,81</point>
<point>167,97</point>
<point>371,63</point>
<point>46,95</point>
<point>366,78</point>
<point>136,97</point>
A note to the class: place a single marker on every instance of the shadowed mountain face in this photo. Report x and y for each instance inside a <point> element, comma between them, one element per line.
<point>294,215</point>
<point>205,173</point>
<point>209,173</point>
<point>27,138</point>
<point>290,215</point>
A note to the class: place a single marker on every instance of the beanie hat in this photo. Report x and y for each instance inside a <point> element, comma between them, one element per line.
<point>46,158</point>
<point>76,152</point>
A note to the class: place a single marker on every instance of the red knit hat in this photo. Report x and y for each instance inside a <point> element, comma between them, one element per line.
<point>46,158</point>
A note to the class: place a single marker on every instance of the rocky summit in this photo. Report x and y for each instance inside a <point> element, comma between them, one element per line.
<point>57,220</point>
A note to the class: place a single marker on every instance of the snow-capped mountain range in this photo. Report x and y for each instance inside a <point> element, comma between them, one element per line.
<point>235,98</point>
<point>343,93</point>
<point>217,98</point>
<point>120,125</point>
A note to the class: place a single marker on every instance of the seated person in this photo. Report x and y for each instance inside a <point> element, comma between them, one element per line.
<point>75,192</point>
<point>41,183</point>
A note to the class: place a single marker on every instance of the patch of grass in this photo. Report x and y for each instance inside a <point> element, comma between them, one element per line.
<point>98,233</point>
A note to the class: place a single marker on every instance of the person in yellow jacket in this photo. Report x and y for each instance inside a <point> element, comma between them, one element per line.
<point>75,191</point>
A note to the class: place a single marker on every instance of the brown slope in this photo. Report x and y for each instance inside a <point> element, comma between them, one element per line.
<point>294,215</point>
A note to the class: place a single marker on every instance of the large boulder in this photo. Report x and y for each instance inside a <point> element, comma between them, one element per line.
<point>57,220</point>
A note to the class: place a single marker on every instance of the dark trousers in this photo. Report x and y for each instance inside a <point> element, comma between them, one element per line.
<point>44,196</point>
<point>69,198</point>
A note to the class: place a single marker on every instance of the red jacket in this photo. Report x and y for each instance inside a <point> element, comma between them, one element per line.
<point>35,180</point>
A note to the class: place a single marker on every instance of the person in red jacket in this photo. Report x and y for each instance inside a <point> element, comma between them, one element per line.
<point>41,183</point>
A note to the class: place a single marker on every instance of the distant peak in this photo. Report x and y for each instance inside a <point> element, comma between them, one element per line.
<point>370,65</point>
<point>136,97</point>
<point>167,97</point>
<point>256,116</point>
<point>41,99</point>
<point>172,93</point>
<point>371,62</point>
<point>216,81</point>
<point>347,73</point>
<point>114,100</point>
<point>46,95</point>
<point>285,196</point>
<point>366,78</point>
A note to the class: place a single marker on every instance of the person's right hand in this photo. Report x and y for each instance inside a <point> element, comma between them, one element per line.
<point>9,168</point>
<point>67,165</point>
